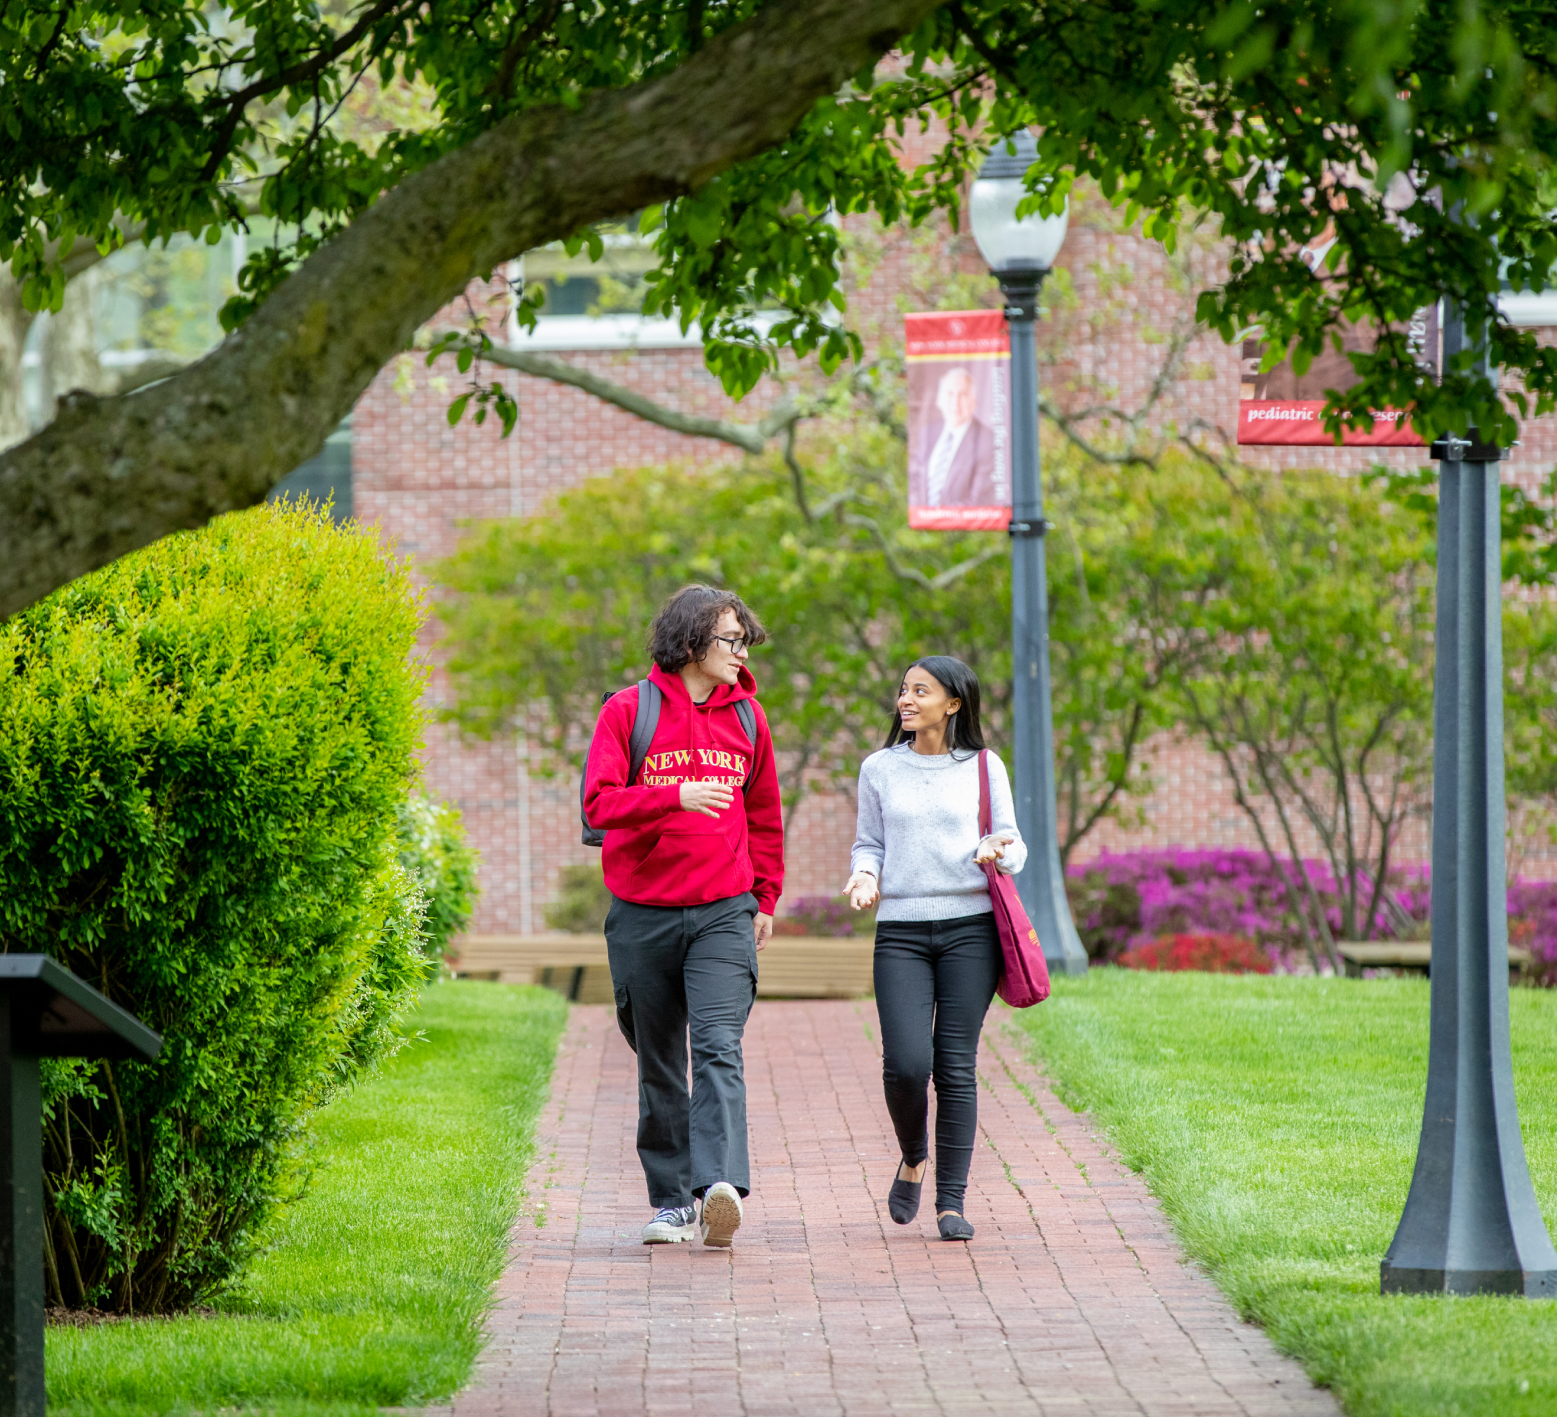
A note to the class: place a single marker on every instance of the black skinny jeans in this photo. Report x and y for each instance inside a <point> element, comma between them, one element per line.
<point>934,981</point>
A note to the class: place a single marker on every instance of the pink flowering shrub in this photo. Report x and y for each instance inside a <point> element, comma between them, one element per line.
<point>824,915</point>
<point>1133,899</point>
<point>1532,922</point>
<point>1209,953</point>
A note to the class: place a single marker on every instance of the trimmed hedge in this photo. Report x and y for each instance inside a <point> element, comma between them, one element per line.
<point>203,750</point>
<point>434,849</point>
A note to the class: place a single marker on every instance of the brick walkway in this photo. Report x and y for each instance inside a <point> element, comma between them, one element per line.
<point>1071,1300</point>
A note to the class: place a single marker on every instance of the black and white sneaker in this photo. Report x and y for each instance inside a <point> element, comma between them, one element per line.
<point>671,1225</point>
<point>721,1214</point>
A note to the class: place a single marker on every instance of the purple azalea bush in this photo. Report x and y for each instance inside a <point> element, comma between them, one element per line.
<point>1133,897</point>
<point>1532,922</point>
<point>1130,898</point>
<point>824,915</point>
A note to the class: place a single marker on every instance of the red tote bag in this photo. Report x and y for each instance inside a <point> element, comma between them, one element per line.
<point>1024,981</point>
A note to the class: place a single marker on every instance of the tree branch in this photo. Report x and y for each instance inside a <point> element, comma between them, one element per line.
<point>749,437</point>
<point>111,475</point>
<point>309,68</point>
<point>1184,333</point>
<point>1262,766</point>
<point>949,576</point>
<point>1074,835</point>
<point>797,475</point>
<point>1224,750</point>
<point>518,46</point>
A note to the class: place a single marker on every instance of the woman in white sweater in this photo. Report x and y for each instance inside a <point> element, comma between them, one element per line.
<point>918,851</point>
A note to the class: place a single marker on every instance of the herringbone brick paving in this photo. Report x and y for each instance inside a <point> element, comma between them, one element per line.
<point>1072,1300</point>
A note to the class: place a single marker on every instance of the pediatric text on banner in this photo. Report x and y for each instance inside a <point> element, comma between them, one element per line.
<point>959,421</point>
<point>1300,423</point>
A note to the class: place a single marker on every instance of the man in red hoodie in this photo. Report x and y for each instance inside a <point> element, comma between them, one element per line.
<point>694,861</point>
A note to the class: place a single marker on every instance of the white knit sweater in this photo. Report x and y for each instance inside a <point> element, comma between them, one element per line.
<point>919,827</point>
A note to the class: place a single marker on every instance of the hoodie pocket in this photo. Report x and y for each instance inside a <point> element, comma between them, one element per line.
<point>740,861</point>
<point>654,862</point>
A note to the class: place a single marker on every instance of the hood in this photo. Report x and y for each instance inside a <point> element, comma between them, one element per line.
<point>671,685</point>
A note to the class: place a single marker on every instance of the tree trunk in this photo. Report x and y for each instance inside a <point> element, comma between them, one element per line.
<point>111,475</point>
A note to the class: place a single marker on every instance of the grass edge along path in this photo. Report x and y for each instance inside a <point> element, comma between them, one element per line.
<point>1276,1119</point>
<point>373,1289</point>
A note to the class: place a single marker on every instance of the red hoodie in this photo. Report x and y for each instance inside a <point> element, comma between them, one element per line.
<point>657,854</point>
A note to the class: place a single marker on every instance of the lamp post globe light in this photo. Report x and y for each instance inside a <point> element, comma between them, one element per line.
<point>1020,252</point>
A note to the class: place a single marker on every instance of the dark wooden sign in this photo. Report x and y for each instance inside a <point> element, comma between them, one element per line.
<point>45,1012</point>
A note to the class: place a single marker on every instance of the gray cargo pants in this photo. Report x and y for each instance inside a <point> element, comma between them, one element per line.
<point>678,971</point>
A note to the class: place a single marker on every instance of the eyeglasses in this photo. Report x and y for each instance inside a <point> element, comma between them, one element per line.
<point>734,643</point>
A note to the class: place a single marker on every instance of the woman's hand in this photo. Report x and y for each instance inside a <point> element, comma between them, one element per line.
<point>709,798</point>
<point>993,847</point>
<point>862,890</point>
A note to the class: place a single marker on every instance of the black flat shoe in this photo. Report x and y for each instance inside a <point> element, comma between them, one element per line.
<point>953,1227</point>
<point>903,1199</point>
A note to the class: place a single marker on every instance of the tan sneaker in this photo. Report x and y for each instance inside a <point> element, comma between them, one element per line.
<point>721,1215</point>
<point>671,1226</point>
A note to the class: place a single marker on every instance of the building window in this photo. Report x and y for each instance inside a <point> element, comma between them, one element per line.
<point>599,304</point>
<point>575,285</point>
<point>325,477</point>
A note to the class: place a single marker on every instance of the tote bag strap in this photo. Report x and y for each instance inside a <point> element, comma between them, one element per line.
<point>984,817</point>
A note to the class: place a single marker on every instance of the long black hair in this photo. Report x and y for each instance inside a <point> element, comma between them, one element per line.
<point>964,734</point>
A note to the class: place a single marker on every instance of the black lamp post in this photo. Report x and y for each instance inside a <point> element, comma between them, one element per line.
<point>1471,1223</point>
<point>1020,253</point>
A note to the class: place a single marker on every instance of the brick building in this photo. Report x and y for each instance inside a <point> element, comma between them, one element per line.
<point>418,480</point>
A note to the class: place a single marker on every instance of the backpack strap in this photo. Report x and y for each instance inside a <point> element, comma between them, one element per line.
<point>748,717</point>
<point>646,718</point>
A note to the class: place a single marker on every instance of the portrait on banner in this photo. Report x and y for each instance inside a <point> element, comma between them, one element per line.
<point>959,442</point>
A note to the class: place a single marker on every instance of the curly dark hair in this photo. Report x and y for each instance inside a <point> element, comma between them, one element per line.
<point>684,628</point>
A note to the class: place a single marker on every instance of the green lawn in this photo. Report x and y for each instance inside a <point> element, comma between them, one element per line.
<point>1277,1120</point>
<point>373,1287</point>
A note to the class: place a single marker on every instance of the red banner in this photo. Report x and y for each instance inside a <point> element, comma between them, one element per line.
<point>959,420</point>
<point>1280,407</point>
<point>1300,423</point>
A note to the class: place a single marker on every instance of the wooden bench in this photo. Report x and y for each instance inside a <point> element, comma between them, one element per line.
<point>790,967</point>
<point>1405,954</point>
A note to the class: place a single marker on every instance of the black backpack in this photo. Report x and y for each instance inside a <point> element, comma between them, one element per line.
<point>646,718</point>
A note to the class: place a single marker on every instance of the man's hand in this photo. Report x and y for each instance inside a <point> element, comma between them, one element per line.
<point>709,798</point>
<point>762,928</point>
<point>862,890</point>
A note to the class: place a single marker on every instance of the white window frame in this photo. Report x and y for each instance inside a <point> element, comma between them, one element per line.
<point>585,332</point>
<point>1529,309</point>
<point>559,333</point>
